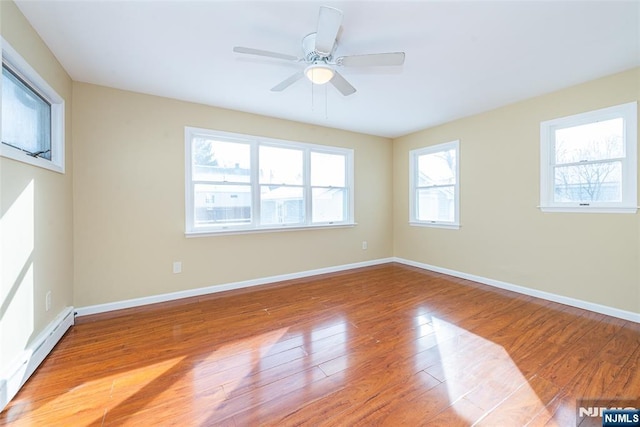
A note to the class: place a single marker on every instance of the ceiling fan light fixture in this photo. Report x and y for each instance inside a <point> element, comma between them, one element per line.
<point>319,73</point>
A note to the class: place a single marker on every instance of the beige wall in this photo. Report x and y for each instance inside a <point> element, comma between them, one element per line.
<point>37,215</point>
<point>129,201</point>
<point>591,257</point>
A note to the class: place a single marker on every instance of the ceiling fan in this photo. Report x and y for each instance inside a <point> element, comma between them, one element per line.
<point>318,56</point>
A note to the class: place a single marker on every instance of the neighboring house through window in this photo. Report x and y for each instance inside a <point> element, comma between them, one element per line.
<point>242,183</point>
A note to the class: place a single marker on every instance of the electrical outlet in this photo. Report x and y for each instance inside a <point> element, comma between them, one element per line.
<point>177,267</point>
<point>47,301</point>
<point>365,245</point>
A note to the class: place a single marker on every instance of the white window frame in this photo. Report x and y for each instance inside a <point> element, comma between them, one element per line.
<point>254,226</point>
<point>14,61</point>
<point>413,187</point>
<point>629,203</point>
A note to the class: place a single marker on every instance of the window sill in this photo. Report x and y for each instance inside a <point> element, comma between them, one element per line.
<point>223,232</point>
<point>452,226</point>
<point>19,156</point>
<point>588,209</point>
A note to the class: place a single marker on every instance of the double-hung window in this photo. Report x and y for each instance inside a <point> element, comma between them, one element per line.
<point>32,115</point>
<point>589,161</point>
<point>435,186</point>
<point>245,183</point>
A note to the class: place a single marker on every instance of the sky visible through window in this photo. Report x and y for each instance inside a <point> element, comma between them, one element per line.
<point>592,141</point>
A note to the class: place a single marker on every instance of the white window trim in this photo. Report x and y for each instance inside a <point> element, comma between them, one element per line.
<point>18,64</point>
<point>413,159</point>
<point>629,201</point>
<point>254,227</point>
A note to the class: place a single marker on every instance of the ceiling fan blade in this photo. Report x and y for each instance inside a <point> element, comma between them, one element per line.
<point>259,52</point>
<point>329,22</point>
<point>287,82</point>
<point>343,86</point>
<point>372,60</point>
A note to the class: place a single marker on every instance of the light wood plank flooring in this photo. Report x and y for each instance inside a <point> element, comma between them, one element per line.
<point>384,345</point>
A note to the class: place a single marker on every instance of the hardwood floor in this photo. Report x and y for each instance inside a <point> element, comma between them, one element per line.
<point>383,345</point>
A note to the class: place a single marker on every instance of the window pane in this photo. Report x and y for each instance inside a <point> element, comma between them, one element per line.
<point>247,183</point>
<point>327,170</point>
<point>280,166</point>
<point>594,141</point>
<point>221,161</point>
<point>26,118</point>
<point>281,205</point>
<point>328,204</point>
<point>597,182</point>
<point>222,204</point>
<point>437,168</point>
<point>436,204</point>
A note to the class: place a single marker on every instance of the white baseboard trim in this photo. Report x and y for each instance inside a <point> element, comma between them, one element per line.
<point>18,372</point>
<point>137,302</point>
<point>574,302</point>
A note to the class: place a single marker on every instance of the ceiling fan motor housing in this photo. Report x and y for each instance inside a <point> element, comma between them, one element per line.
<point>311,55</point>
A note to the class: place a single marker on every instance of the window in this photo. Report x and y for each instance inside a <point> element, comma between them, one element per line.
<point>435,190</point>
<point>589,161</point>
<point>32,115</point>
<point>245,183</point>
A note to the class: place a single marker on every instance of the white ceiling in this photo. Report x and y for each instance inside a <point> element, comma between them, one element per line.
<point>461,57</point>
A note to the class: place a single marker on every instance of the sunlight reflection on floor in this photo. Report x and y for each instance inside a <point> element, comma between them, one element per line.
<point>484,379</point>
<point>109,391</point>
<point>231,364</point>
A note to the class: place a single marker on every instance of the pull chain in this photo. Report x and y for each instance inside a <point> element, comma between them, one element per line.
<point>326,109</point>
<point>326,100</point>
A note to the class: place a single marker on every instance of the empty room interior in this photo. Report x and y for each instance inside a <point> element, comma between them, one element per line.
<point>304,213</point>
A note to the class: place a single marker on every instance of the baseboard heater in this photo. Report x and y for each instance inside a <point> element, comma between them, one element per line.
<point>14,377</point>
